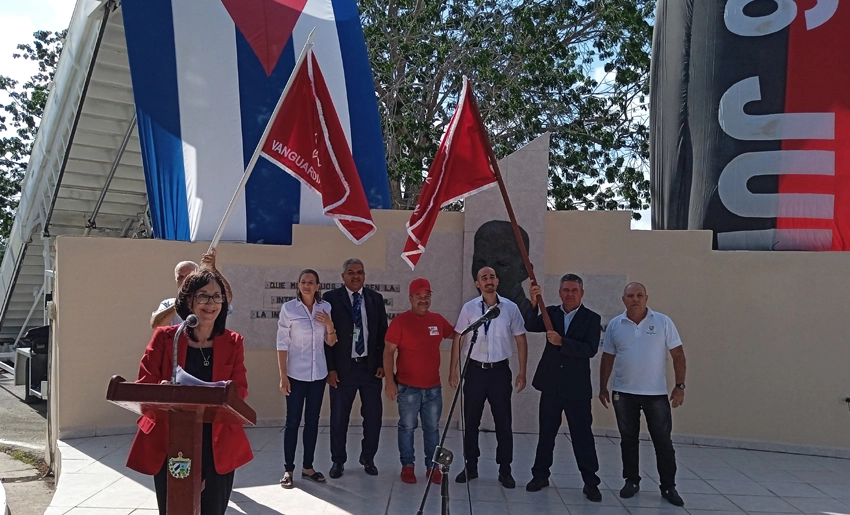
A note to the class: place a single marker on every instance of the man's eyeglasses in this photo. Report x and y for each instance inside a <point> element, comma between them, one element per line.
<point>203,298</point>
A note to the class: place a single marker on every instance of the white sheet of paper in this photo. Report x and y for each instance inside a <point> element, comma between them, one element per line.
<point>187,379</point>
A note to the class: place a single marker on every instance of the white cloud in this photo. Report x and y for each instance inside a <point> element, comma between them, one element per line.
<point>19,20</point>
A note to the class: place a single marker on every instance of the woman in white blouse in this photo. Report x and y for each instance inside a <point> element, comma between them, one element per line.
<point>305,326</point>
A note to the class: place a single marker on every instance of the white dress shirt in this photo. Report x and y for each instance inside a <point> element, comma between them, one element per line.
<point>568,317</point>
<point>496,340</point>
<point>303,337</point>
<point>365,324</point>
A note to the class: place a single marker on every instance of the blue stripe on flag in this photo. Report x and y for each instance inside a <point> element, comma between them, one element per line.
<point>272,196</point>
<point>366,135</point>
<point>149,30</point>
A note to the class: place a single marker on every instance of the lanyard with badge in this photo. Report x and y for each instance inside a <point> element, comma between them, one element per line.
<point>484,346</point>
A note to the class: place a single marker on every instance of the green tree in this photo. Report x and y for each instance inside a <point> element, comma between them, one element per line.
<point>19,119</point>
<point>532,64</point>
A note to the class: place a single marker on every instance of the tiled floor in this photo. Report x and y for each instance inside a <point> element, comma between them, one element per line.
<point>712,481</point>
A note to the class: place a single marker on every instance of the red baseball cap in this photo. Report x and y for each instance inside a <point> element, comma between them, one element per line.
<point>418,285</point>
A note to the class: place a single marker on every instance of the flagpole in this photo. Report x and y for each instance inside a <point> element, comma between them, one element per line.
<point>250,168</point>
<point>523,251</point>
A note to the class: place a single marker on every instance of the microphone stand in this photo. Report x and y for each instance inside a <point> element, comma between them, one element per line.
<point>442,456</point>
<point>186,323</point>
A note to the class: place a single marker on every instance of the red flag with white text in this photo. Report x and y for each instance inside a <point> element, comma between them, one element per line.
<point>307,141</point>
<point>460,168</point>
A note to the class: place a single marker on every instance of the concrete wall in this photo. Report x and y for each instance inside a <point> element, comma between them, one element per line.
<point>764,332</point>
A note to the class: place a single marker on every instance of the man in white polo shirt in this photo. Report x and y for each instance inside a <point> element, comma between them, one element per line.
<point>635,348</point>
<point>488,377</point>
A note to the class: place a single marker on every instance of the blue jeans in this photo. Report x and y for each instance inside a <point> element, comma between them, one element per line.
<point>304,397</point>
<point>414,403</point>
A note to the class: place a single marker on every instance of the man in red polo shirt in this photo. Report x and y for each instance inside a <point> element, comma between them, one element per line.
<point>416,335</point>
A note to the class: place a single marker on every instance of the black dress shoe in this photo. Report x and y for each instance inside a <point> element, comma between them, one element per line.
<point>466,475</point>
<point>336,470</point>
<point>369,466</point>
<point>629,489</point>
<point>672,496</point>
<point>535,485</point>
<point>507,480</point>
<point>592,493</point>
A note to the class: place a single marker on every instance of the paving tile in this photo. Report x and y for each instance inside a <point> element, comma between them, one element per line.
<point>711,480</point>
<point>792,489</point>
<point>693,486</point>
<point>819,505</point>
<point>761,504</point>
<point>715,502</point>
<point>773,475</point>
<point>574,498</point>
<point>820,476</point>
<point>664,510</point>
<point>836,491</point>
<point>738,487</point>
<point>720,473</point>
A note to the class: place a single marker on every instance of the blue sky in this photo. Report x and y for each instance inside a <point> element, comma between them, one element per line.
<point>19,19</point>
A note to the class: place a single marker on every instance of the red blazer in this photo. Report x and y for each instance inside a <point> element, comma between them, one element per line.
<point>230,444</point>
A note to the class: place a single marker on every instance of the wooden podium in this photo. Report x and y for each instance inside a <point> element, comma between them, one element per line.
<point>187,409</point>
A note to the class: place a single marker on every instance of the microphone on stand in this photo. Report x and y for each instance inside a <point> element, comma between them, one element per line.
<point>488,315</point>
<point>191,321</point>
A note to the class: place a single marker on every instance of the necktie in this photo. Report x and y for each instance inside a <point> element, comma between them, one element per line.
<point>359,345</point>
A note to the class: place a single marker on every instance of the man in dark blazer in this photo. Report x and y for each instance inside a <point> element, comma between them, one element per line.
<point>355,364</point>
<point>563,379</point>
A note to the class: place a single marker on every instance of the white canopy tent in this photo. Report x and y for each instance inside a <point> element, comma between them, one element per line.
<point>85,174</point>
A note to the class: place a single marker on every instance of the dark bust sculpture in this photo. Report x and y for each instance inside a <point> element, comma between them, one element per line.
<point>495,246</point>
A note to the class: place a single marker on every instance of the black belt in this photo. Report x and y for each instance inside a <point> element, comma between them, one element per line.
<point>487,366</point>
<point>359,359</point>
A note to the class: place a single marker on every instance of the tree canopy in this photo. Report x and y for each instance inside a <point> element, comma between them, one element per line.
<point>19,119</point>
<point>576,68</point>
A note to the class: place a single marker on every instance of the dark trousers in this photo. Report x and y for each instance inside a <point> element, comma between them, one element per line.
<point>217,487</point>
<point>579,420</point>
<point>304,397</point>
<point>659,421</point>
<point>494,386</point>
<point>360,379</point>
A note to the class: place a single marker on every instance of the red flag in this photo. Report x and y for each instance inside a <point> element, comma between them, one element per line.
<point>307,141</point>
<point>460,168</point>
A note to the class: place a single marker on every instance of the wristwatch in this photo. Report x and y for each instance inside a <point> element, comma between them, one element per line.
<point>680,386</point>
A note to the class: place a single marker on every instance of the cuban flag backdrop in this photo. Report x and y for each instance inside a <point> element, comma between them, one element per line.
<point>206,77</point>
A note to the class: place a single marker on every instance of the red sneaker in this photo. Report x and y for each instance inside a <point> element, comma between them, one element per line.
<point>408,475</point>
<point>437,478</point>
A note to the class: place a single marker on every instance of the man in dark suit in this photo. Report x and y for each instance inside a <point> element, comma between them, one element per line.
<point>563,379</point>
<point>355,364</point>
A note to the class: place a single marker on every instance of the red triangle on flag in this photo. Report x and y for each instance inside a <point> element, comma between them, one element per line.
<point>266,25</point>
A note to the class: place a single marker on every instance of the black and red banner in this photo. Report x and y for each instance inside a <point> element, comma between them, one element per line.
<point>750,122</point>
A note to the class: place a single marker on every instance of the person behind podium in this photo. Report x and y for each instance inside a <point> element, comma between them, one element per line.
<point>304,327</point>
<point>211,353</point>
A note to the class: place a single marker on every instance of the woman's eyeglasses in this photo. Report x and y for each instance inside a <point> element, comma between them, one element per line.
<point>203,298</point>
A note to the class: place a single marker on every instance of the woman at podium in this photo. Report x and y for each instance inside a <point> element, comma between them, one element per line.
<point>304,327</point>
<point>210,353</point>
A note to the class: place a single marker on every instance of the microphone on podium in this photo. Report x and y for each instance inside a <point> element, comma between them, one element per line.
<point>488,315</point>
<point>191,321</point>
